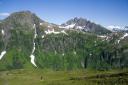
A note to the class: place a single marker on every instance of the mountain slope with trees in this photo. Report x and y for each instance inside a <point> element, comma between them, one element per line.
<point>23,33</point>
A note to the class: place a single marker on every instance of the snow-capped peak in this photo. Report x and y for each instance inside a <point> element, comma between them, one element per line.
<point>117,28</point>
<point>112,27</point>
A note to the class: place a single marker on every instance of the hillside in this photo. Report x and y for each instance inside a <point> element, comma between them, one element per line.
<point>28,42</point>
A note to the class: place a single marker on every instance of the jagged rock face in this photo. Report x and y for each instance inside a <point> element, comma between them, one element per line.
<point>85,25</point>
<point>78,21</point>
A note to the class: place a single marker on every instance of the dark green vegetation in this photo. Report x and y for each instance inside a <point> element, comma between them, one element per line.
<point>64,52</point>
<point>74,50</point>
<point>79,50</point>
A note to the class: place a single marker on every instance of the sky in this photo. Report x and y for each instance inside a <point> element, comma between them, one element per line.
<point>104,12</point>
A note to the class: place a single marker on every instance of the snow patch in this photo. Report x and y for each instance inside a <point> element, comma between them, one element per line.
<point>34,26</point>
<point>64,32</point>
<point>54,32</point>
<point>32,60</point>
<point>42,36</point>
<point>95,43</point>
<point>49,26</point>
<point>80,27</point>
<point>72,26</point>
<point>35,35</point>
<point>63,54</point>
<point>90,54</point>
<point>51,31</point>
<point>55,52</point>
<point>61,27</point>
<point>68,26</point>
<point>33,50</point>
<point>102,36</point>
<point>118,41</point>
<point>82,64</point>
<point>2,54</point>
<point>74,52</point>
<point>2,31</point>
<point>125,35</point>
<point>41,23</point>
<point>107,38</point>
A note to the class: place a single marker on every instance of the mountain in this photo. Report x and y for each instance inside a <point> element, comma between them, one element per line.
<point>28,42</point>
<point>84,25</point>
<point>118,28</point>
<point>23,21</point>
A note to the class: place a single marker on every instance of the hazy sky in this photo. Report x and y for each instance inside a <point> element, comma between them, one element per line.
<point>104,12</point>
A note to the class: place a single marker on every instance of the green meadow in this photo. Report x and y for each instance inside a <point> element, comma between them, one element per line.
<point>76,77</point>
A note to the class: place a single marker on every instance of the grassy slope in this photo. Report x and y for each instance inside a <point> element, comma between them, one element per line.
<point>33,77</point>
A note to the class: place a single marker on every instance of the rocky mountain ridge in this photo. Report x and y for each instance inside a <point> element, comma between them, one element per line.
<point>84,25</point>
